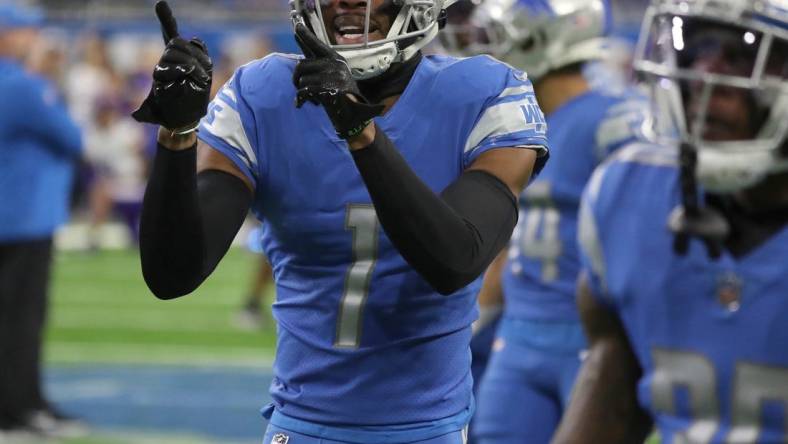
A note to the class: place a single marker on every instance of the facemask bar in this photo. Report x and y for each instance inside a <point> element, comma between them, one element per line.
<point>368,14</point>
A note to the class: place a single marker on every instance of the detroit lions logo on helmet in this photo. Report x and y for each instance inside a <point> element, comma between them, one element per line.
<point>280,438</point>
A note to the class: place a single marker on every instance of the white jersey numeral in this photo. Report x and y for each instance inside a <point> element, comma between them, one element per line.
<point>539,236</point>
<point>753,386</point>
<point>363,222</point>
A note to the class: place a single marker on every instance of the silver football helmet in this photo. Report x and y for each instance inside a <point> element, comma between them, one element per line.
<point>718,70</point>
<point>537,36</point>
<point>415,23</point>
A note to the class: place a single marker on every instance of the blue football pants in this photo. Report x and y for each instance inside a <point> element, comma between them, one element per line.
<point>523,393</point>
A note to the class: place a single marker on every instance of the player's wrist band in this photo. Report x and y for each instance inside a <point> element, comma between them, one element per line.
<point>193,128</point>
<point>354,131</point>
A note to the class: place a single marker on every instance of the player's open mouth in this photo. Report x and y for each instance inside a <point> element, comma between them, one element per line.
<point>349,30</point>
<point>717,129</point>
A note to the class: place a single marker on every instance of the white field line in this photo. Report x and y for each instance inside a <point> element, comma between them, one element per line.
<point>140,299</point>
<point>71,352</point>
<point>133,438</point>
<point>128,436</point>
<point>114,235</point>
<point>147,320</point>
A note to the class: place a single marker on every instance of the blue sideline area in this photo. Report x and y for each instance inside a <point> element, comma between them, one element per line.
<point>219,404</point>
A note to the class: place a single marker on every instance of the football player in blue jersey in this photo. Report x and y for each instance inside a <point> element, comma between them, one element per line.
<point>387,183</point>
<point>684,244</point>
<point>538,345</point>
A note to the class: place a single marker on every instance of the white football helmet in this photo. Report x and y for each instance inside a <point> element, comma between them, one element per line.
<point>718,70</point>
<point>537,36</point>
<point>415,24</point>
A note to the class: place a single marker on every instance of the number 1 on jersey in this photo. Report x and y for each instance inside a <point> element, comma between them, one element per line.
<point>362,221</point>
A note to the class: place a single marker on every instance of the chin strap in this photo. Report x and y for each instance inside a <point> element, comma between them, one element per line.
<point>392,82</point>
<point>691,219</point>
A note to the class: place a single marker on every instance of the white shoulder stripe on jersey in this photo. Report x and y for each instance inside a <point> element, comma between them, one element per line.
<point>230,93</point>
<point>227,126</point>
<point>516,90</point>
<point>624,121</point>
<point>507,118</point>
<point>588,237</point>
<point>646,154</point>
<point>595,182</point>
<point>540,149</point>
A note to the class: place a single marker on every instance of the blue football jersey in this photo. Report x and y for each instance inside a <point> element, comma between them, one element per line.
<point>540,275</point>
<point>362,338</point>
<point>711,336</point>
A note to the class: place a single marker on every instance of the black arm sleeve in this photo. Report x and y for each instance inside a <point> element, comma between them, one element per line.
<point>448,239</point>
<point>188,222</point>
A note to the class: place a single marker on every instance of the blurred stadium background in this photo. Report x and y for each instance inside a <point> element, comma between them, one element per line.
<point>136,369</point>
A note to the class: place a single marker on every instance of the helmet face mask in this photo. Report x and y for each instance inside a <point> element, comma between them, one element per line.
<point>719,77</point>
<point>463,34</point>
<point>412,24</point>
<point>537,36</point>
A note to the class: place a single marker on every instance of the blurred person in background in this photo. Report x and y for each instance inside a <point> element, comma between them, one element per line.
<point>539,342</point>
<point>48,59</point>
<point>114,149</point>
<point>138,82</point>
<point>39,145</point>
<point>89,79</point>
<point>253,315</point>
<point>683,294</point>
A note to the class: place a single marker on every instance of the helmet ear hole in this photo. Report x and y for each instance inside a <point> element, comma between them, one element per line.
<point>442,19</point>
<point>527,44</point>
<point>533,40</point>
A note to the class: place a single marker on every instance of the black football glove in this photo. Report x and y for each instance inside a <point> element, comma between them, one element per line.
<point>181,80</point>
<point>323,77</point>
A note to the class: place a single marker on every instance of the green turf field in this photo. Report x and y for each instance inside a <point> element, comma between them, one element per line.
<point>101,311</point>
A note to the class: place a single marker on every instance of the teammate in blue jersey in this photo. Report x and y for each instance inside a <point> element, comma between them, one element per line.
<point>538,344</point>
<point>684,244</point>
<point>387,183</point>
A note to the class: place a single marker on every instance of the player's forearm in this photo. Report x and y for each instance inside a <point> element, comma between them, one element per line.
<point>188,222</point>
<point>491,293</point>
<point>604,407</point>
<point>451,238</point>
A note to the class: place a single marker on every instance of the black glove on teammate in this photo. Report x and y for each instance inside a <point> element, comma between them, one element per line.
<point>181,80</point>
<point>324,78</point>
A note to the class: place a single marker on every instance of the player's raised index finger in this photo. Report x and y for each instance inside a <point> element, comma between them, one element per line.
<point>301,44</point>
<point>169,27</point>
<point>309,42</point>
